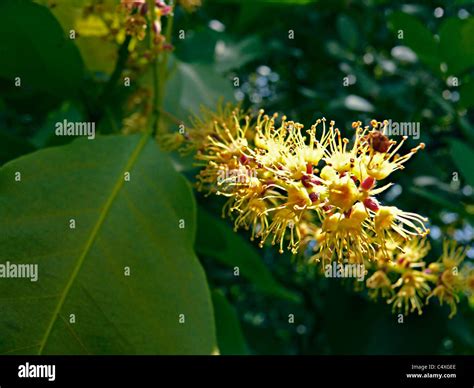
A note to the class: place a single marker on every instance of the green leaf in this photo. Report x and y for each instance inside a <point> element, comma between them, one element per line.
<point>119,224</point>
<point>36,50</point>
<point>199,46</point>
<point>192,86</point>
<point>233,55</point>
<point>443,202</point>
<point>99,54</point>
<point>417,37</point>
<point>46,136</point>
<point>229,334</point>
<point>348,31</point>
<point>217,240</point>
<point>457,44</point>
<point>439,200</point>
<point>463,157</point>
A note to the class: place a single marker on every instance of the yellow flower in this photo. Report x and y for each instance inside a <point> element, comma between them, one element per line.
<point>411,253</point>
<point>450,279</point>
<point>344,234</point>
<point>417,282</point>
<point>453,255</point>
<point>406,224</point>
<point>283,219</point>
<point>446,295</point>
<point>380,153</point>
<point>343,193</point>
<point>413,287</point>
<point>379,283</point>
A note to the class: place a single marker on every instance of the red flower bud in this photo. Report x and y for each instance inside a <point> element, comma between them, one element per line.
<point>372,204</point>
<point>327,208</point>
<point>367,183</point>
<point>309,181</point>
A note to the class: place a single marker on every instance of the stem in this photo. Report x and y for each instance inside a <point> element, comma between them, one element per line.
<point>110,117</point>
<point>164,62</point>
<point>155,114</point>
<point>170,117</point>
<point>158,68</point>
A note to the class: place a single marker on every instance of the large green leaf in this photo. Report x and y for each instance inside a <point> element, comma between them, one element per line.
<point>218,241</point>
<point>83,271</point>
<point>234,55</point>
<point>192,86</point>
<point>457,44</point>
<point>229,334</point>
<point>35,49</point>
<point>417,37</point>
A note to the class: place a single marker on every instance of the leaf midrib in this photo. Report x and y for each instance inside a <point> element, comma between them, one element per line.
<point>90,241</point>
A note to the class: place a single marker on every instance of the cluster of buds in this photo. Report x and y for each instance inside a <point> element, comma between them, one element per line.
<point>136,20</point>
<point>130,18</point>
<point>318,191</point>
<point>138,109</point>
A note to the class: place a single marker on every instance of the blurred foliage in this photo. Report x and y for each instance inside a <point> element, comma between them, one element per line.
<point>342,60</point>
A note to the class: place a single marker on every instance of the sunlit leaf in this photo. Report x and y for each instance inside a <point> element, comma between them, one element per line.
<point>116,269</point>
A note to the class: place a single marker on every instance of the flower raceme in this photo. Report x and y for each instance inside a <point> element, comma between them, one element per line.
<point>407,282</point>
<point>276,175</point>
<point>318,191</point>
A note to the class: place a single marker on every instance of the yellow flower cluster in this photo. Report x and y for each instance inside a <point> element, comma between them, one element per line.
<point>316,190</point>
<point>129,18</point>
<point>281,179</point>
<point>408,282</point>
